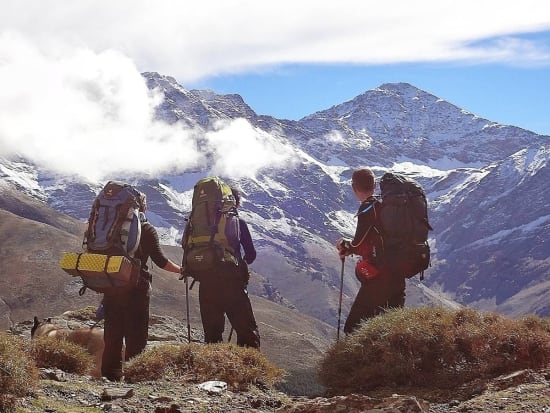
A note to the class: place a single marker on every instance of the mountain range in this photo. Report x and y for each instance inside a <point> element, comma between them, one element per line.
<point>485,182</point>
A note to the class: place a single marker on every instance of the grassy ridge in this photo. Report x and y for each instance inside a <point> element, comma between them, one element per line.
<point>435,348</point>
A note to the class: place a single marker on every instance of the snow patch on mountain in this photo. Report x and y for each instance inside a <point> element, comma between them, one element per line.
<point>531,160</point>
<point>445,164</point>
<point>344,222</point>
<point>23,176</point>
<point>461,189</point>
<point>180,201</point>
<point>519,232</point>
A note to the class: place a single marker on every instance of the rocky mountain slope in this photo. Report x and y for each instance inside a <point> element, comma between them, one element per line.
<point>485,183</point>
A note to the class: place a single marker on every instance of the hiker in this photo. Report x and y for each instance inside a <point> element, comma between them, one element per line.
<point>381,287</point>
<point>127,313</point>
<point>223,291</point>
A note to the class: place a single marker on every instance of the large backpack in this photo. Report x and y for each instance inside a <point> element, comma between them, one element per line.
<point>114,225</point>
<point>212,230</point>
<point>110,242</point>
<point>404,225</point>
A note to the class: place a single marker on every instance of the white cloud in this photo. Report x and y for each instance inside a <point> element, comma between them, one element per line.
<point>191,40</point>
<point>241,150</point>
<point>91,114</point>
<point>84,113</point>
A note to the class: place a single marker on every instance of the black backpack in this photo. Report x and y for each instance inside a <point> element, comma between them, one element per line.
<point>404,225</point>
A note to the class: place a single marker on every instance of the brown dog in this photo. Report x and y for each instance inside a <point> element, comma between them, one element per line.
<point>90,338</point>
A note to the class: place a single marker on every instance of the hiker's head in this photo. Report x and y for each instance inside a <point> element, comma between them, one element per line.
<point>362,181</point>
<point>142,202</point>
<point>237,195</point>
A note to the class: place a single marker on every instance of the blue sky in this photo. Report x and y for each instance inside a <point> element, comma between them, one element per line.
<point>70,71</point>
<point>508,94</point>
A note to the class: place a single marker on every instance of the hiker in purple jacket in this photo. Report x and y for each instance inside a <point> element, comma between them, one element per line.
<point>223,291</point>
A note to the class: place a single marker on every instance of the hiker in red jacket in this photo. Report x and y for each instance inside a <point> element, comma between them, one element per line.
<point>380,287</point>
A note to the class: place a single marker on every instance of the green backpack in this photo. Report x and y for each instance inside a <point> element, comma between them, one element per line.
<point>212,231</point>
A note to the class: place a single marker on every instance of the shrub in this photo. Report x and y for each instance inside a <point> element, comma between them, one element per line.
<point>18,374</point>
<point>82,314</point>
<point>237,366</point>
<point>434,347</point>
<point>53,352</point>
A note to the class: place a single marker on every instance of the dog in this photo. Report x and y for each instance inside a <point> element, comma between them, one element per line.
<point>91,338</point>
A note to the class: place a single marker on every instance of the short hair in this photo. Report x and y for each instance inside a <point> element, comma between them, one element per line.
<point>363,179</point>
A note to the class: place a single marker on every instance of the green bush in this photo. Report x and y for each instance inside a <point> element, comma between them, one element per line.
<point>18,374</point>
<point>237,366</point>
<point>51,352</point>
<point>435,348</point>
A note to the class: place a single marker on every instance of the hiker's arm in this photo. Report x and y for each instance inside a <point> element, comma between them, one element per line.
<point>347,247</point>
<point>170,266</point>
<point>363,225</point>
<point>158,256</point>
<point>246,242</point>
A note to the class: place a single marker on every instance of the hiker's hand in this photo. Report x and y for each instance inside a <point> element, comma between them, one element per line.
<point>343,246</point>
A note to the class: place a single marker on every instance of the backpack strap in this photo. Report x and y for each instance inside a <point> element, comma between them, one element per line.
<point>364,211</point>
<point>89,234</point>
<point>370,207</point>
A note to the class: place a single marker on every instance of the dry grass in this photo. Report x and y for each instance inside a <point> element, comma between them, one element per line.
<point>82,314</point>
<point>434,347</point>
<point>50,352</point>
<point>18,374</point>
<point>239,367</point>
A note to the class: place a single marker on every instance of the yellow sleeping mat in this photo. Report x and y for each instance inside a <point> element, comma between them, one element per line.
<point>100,272</point>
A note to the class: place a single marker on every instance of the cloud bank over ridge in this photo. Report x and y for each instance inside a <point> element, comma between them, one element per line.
<point>91,114</point>
<point>74,101</point>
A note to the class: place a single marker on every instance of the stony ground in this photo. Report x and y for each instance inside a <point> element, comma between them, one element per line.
<point>525,391</point>
<point>60,392</point>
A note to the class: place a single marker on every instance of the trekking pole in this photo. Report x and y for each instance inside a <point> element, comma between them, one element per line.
<point>343,259</point>
<point>187,307</point>
<point>186,278</point>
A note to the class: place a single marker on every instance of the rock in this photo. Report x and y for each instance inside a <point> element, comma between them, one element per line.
<point>357,403</point>
<point>174,408</point>
<point>53,374</point>
<point>117,393</point>
<point>213,386</point>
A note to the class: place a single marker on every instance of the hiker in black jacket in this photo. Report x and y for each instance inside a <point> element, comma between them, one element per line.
<point>381,288</point>
<point>223,291</point>
<point>127,313</point>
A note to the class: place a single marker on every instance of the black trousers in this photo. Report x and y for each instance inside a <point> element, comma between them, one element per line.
<point>126,321</point>
<point>375,296</point>
<point>223,292</point>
